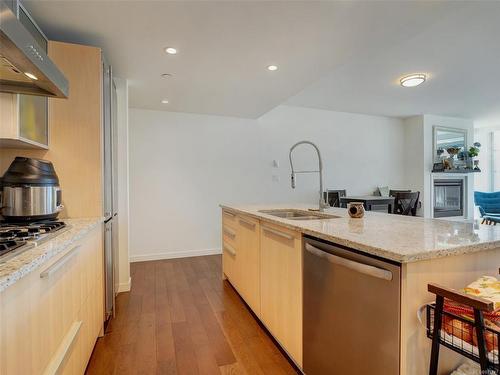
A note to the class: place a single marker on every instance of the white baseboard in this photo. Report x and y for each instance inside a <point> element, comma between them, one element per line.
<point>174,254</point>
<point>123,287</point>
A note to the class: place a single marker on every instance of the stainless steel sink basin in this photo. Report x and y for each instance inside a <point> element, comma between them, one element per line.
<point>293,214</point>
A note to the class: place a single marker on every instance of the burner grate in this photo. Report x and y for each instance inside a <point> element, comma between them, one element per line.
<point>15,235</point>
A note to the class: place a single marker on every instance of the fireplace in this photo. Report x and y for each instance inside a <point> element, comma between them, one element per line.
<point>448,197</point>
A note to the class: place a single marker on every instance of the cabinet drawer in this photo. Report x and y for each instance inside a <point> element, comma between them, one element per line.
<point>229,219</point>
<point>229,234</point>
<point>229,254</point>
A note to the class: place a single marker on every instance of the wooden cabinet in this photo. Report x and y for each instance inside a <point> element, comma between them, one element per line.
<point>241,256</point>
<point>264,264</point>
<point>50,319</point>
<point>75,131</point>
<point>24,121</point>
<point>248,261</point>
<point>229,247</point>
<point>281,286</point>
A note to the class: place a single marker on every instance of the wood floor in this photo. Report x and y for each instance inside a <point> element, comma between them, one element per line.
<point>181,318</point>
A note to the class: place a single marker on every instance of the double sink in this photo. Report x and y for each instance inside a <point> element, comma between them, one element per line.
<point>294,214</point>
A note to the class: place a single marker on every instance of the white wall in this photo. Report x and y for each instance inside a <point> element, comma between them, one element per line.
<point>484,181</point>
<point>122,265</point>
<point>182,166</point>
<point>419,156</point>
<point>414,159</point>
<point>359,152</point>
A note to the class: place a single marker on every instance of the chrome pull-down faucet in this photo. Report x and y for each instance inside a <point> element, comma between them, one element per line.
<point>322,203</point>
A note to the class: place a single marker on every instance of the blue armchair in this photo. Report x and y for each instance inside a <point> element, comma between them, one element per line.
<point>488,203</point>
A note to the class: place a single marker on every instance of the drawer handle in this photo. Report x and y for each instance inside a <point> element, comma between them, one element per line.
<point>230,214</point>
<point>380,273</point>
<point>278,233</point>
<point>61,262</point>
<point>230,249</point>
<point>249,223</point>
<point>229,232</point>
<point>64,349</point>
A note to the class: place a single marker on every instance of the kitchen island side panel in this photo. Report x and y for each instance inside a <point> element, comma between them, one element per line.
<point>454,272</point>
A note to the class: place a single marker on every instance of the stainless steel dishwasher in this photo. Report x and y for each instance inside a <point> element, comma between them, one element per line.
<point>351,312</point>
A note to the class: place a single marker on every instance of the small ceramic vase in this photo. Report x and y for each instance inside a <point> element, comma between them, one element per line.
<point>356,210</point>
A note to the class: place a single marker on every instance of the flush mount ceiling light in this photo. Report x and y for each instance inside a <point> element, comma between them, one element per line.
<point>412,80</point>
<point>30,75</point>
<point>170,50</point>
<point>164,101</point>
<point>272,68</point>
<point>166,75</point>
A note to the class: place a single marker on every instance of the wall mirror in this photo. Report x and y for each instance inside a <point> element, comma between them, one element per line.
<point>448,142</point>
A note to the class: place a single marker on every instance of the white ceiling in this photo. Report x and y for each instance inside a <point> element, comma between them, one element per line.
<point>460,53</point>
<point>343,56</point>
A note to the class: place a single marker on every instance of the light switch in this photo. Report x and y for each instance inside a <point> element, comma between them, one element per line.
<point>276,163</point>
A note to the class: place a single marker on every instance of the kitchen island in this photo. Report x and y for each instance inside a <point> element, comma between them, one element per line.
<point>263,260</point>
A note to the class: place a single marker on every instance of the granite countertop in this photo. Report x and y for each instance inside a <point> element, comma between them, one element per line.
<point>399,238</point>
<point>21,265</point>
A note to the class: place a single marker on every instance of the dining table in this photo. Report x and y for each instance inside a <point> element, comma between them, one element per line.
<point>369,201</point>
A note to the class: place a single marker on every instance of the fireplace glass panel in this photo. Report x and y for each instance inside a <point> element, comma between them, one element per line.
<point>448,198</point>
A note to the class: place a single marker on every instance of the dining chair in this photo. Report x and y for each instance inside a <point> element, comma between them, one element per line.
<point>406,203</point>
<point>332,197</point>
<point>392,193</point>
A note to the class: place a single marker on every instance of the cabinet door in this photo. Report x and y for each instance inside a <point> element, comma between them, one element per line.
<point>249,261</point>
<point>281,287</point>
<point>33,119</point>
<point>33,110</point>
<point>41,316</point>
<point>229,254</point>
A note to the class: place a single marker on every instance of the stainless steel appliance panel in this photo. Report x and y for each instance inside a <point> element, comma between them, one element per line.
<point>109,269</point>
<point>114,148</point>
<point>107,138</point>
<point>33,201</point>
<point>351,312</point>
<point>110,185</point>
<point>19,54</point>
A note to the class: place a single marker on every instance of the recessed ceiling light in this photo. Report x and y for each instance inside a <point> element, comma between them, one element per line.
<point>30,75</point>
<point>170,50</point>
<point>164,101</point>
<point>272,68</point>
<point>412,80</point>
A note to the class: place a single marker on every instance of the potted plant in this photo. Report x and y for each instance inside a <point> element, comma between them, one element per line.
<point>473,153</point>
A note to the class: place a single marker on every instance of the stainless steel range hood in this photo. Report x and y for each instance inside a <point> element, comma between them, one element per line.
<point>24,67</point>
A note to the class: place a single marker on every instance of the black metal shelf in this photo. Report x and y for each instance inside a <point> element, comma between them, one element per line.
<point>458,333</point>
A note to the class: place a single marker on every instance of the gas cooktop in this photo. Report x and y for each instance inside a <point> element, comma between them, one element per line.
<point>23,236</point>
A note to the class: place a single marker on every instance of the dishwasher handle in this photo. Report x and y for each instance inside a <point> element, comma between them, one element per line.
<point>366,269</point>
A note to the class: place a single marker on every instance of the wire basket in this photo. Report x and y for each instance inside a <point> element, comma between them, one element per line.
<point>458,334</point>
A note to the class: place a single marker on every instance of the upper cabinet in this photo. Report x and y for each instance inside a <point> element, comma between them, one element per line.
<point>24,118</point>
<point>24,121</point>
